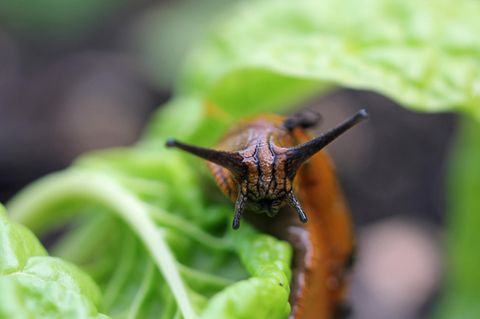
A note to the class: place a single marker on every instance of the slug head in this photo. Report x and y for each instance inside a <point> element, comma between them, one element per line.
<point>264,172</point>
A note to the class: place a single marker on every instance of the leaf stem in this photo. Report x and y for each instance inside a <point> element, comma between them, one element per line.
<point>186,228</point>
<point>142,292</point>
<point>124,265</point>
<point>218,282</point>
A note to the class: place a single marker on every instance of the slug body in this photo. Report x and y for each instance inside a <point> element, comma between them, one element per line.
<point>263,165</point>
<point>323,247</point>
<point>325,244</point>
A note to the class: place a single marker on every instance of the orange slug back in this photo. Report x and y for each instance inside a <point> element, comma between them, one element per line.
<point>321,284</point>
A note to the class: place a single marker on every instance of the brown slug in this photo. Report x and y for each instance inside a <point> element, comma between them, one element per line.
<point>269,164</point>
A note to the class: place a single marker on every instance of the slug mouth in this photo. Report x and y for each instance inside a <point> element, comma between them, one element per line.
<point>264,206</point>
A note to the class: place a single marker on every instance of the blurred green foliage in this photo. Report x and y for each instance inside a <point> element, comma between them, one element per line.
<point>422,54</point>
<point>463,281</point>
<point>280,53</point>
<point>56,20</point>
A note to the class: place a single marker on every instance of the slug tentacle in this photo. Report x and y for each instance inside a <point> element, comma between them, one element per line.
<point>239,208</point>
<point>230,160</point>
<point>292,200</point>
<point>304,119</point>
<point>298,154</point>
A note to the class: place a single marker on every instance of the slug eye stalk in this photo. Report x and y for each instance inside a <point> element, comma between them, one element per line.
<point>298,154</point>
<point>230,160</point>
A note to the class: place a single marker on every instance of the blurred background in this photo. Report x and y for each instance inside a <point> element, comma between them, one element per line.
<point>80,75</point>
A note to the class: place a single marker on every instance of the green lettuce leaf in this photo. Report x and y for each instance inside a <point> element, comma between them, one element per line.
<point>422,54</point>
<point>267,260</point>
<point>34,285</point>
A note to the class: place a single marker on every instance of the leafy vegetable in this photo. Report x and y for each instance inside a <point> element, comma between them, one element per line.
<point>423,54</point>
<point>159,200</point>
<point>34,285</point>
<point>149,235</point>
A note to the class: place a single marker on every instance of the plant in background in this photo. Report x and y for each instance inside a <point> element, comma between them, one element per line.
<point>141,225</point>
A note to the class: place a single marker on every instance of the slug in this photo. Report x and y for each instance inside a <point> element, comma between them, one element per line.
<point>269,164</point>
